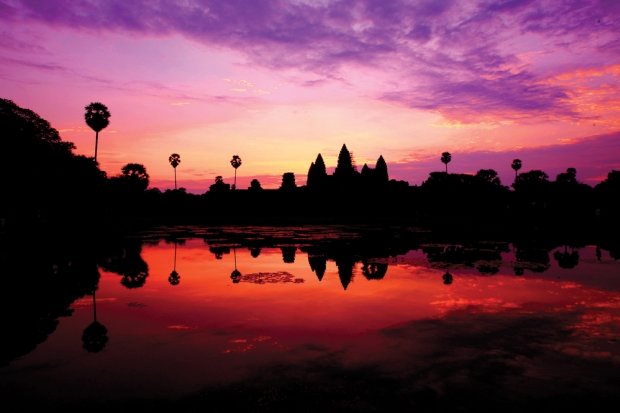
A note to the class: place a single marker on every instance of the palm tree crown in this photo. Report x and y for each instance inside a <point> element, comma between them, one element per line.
<point>235,162</point>
<point>446,158</point>
<point>516,165</point>
<point>97,116</point>
<point>174,159</point>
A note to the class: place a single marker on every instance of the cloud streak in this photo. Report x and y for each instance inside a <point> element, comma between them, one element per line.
<point>468,61</point>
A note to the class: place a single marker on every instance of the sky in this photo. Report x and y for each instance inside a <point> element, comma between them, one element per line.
<point>279,81</point>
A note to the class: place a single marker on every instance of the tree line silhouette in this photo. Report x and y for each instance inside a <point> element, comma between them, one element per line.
<point>56,188</point>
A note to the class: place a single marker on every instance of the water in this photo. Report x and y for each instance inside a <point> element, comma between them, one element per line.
<point>425,324</point>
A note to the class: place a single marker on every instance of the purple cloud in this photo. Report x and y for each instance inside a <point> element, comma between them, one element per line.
<point>507,96</point>
<point>52,67</point>
<point>460,59</point>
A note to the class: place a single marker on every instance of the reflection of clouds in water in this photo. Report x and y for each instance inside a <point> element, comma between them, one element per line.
<point>135,304</point>
<point>271,278</point>
<point>242,345</point>
<point>88,301</point>
<point>513,359</point>
<point>503,346</point>
<point>484,305</point>
<point>180,327</point>
<point>600,325</point>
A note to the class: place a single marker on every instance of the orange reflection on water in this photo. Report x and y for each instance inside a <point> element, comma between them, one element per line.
<point>206,330</point>
<point>292,300</point>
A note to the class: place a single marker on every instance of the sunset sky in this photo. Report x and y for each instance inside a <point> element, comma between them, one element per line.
<point>278,81</point>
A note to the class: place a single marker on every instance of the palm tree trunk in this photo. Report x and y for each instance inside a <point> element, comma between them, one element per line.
<point>174,265</point>
<point>94,307</point>
<point>235,184</point>
<point>446,168</point>
<point>96,143</point>
<point>175,179</point>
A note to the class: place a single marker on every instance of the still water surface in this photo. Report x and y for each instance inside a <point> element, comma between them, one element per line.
<point>431,326</point>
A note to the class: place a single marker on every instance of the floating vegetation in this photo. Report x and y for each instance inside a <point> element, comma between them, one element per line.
<point>271,278</point>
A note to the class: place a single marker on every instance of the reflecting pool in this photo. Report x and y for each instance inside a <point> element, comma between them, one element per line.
<point>299,319</point>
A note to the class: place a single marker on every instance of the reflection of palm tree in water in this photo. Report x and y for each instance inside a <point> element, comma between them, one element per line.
<point>174,278</point>
<point>447,278</point>
<point>235,276</point>
<point>374,270</point>
<point>95,336</point>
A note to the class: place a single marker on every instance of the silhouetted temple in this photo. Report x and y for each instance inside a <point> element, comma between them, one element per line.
<point>346,174</point>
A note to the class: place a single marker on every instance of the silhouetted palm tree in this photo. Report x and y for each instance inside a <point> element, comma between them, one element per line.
<point>235,162</point>
<point>446,158</point>
<point>97,117</point>
<point>447,278</point>
<point>516,165</point>
<point>175,160</point>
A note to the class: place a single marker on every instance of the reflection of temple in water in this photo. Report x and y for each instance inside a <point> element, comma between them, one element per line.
<point>372,268</point>
<point>373,253</point>
<point>345,266</point>
<point>318,264</point>
<point>288,254</point>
